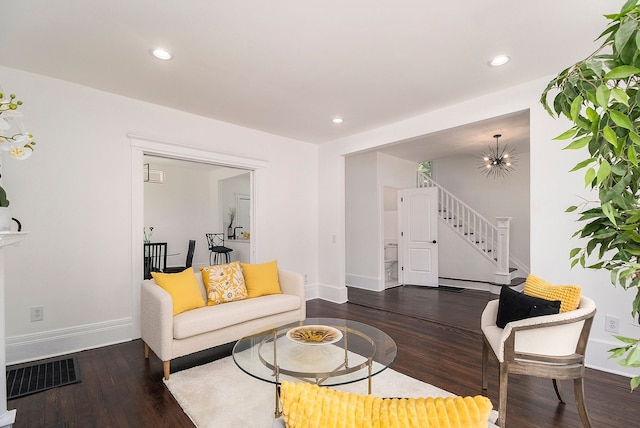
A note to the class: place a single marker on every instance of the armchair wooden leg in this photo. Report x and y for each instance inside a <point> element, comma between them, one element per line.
<point>557,387</point>
<point>502,406</point>
<point>578,389</point>
<point>485,361</point>
<point>146,351</point>
<point>166,366</point>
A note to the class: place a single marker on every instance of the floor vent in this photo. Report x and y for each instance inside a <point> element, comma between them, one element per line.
<point>29,378</point>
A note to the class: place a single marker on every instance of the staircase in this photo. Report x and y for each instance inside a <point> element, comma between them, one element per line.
<point>491,241</point>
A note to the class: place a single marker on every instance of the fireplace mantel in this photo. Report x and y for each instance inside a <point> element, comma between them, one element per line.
<point>7,418</point>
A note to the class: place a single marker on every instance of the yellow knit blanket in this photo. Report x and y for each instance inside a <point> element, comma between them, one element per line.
<point>306,405</point>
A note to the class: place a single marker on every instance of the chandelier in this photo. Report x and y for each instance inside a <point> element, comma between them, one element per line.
<point>497,162</point>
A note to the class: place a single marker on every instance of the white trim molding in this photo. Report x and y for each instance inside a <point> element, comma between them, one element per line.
<point>45,344</point>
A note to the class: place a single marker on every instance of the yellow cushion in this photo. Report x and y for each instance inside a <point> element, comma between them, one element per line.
<point>261,279</point>
<point>224,283</point>
<point>569,295</point>
<point>183,288</point>
<point>311,406</point>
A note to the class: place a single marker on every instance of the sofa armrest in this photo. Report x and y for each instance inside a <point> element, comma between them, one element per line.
<point>156,319</point>
<point>293,283</point>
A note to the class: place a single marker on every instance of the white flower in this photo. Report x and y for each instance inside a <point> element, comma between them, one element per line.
<point>20,152</point>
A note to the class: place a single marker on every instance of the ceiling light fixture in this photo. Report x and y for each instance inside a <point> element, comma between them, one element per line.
<point>337,120</point>
<point>497,163</point>
<point>499,60</point>
<point>161,53</point>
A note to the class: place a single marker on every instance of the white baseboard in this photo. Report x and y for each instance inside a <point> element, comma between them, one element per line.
<point>364,282</point>
<point>332,293</point>
<point>30,347</point>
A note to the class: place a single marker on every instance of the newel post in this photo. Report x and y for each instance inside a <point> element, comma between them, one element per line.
<point>502,275</point>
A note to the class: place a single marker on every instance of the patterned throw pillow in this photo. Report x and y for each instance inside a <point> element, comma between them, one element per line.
<point>224,283</point>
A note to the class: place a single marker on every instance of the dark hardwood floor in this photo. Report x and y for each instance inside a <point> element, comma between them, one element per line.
<point>437,333</point>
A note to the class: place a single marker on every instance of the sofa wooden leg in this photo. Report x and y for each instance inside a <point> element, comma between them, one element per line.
<point>166,365</point>
<point>146,351</point>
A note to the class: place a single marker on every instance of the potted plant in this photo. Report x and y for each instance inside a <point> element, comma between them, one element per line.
<point>15,141</point>
<point>600,95</point>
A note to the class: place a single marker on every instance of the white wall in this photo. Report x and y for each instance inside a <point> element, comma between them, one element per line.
<point>552,190</point>
<point>74,196</point>
<point>362,220</point>
<point>492,197</point>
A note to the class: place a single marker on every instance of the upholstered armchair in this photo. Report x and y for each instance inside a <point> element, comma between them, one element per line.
<point>548,346</point>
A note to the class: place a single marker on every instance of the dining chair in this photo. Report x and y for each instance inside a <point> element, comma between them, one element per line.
<point>218,253</point>
<point>547,346</point>
<point>188,261</point>
<point>155,258</point>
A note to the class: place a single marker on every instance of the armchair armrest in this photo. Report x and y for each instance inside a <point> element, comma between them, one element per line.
<point>293,283</point>
<point>156,319</point>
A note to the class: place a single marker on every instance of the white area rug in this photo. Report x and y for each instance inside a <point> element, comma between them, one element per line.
<point>220,395</point>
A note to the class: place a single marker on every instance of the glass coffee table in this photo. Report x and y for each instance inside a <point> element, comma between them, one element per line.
<point>324,351</point>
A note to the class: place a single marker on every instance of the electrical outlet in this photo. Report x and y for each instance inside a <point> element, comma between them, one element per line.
<point>306,278</point>
<point>612,324</point>
<point>37,313</point>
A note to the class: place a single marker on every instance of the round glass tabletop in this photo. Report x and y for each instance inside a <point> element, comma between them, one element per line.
<point>325,351</point>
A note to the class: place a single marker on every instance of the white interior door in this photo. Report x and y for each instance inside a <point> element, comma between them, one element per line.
<point>418,255</point>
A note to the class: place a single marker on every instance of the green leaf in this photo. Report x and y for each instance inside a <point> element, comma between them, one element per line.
<point>617,352</point>
<point>625,339</point>
<point>576,105</point>
<point>626,30</point>
<point>622,72</point>
<point>602,96</point>
<point>603,173</point>
<point>579,143</point>
<point>589,176</point>
<point>621,119</point>
<point>620,95</point>
<point>574,252</point>
<point>566,135</point>
<point>634,383</point>
<point>571,209</point>
<point>633,356</point>
<point>632,155</point>
<point>610,135</point>
<point>582,165</point>
<point>634,137</point>
<point>607,209</point>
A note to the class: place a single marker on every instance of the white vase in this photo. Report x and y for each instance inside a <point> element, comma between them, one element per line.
<point>5,219</point>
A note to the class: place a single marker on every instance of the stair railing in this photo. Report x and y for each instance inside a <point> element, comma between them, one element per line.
<point>489,240</point>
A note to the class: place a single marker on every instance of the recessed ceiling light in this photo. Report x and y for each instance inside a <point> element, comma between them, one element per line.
<point>499,60</point>
<point>161,53</point>
<point>337,120</point>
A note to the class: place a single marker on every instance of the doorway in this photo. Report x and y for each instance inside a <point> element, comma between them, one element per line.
<point>191,200</point>
<point>140,147</point>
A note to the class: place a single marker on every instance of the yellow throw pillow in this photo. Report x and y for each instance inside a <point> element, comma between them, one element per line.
<point>183,288</point>
<point>261,279</point>
<point>224,283</point>
<point>569,295</point>
<point>308,405</point>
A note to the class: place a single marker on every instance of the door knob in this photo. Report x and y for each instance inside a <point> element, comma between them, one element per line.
<point>433,242</point>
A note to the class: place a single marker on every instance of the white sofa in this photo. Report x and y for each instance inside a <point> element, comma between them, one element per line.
<point>171,336</point>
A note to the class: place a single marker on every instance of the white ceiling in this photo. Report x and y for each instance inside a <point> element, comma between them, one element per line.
<point>288,66</point>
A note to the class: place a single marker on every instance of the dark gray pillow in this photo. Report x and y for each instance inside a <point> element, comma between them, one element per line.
<point>514,306</point>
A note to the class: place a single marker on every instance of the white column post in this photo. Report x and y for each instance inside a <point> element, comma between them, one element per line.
<point>502,275</point>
